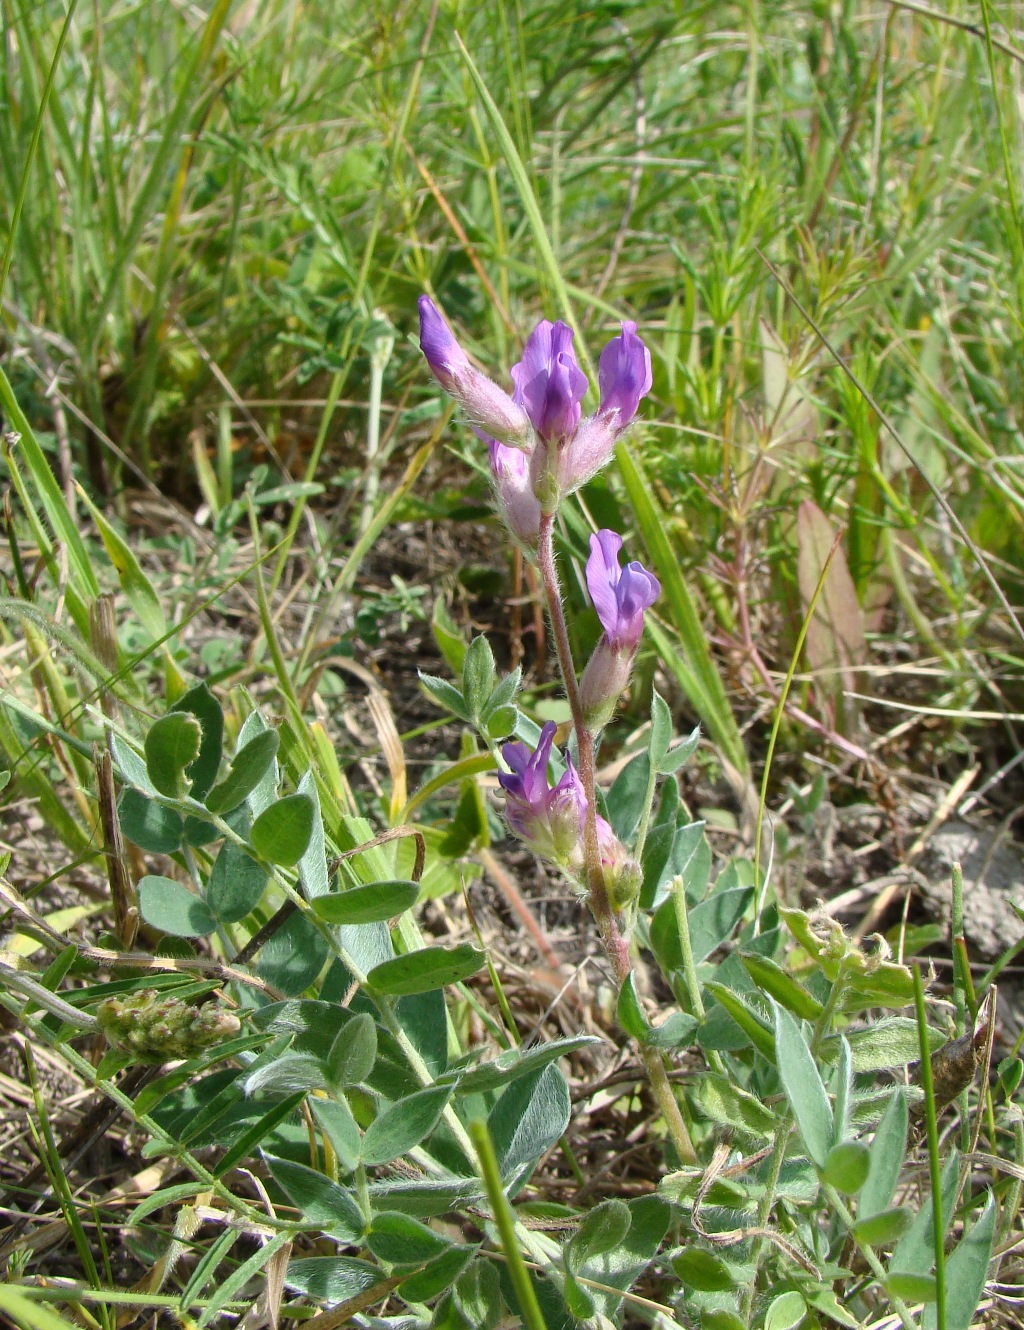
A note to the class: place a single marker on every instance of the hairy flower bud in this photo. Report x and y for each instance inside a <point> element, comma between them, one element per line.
<point>487,405</point>
<point>624,374</point>
<point>519,506</point>
<point>157,1028</point>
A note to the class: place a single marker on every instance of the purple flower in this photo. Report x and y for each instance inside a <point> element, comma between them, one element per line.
<point>624,374</point>
<point>549,382</point>
<point>620,595</point>
<point>487,405</point>
<point>549,819</point>
<point>520,507</point>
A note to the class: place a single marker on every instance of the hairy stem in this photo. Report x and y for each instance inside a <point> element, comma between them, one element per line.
<point>615,944</point>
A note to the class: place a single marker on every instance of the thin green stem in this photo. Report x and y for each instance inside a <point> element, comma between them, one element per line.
<point>526,1295</point>
<point>934,1164</point>
<point>764,1208</point>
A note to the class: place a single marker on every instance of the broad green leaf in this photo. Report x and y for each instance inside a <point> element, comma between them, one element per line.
<point>846,1167</point>
<point>885,1227</point>
<point>913,1288</point>
<point>322,1203</point>
<point>353,1052</point>
<point>172,745</point>
<point>251,763</point>
<point>286,1075</point>
<point>966,1272</point>
<point>438,1275</point>
<point>680,754</point>
<point>661,730</point>
<point>370,904</point>
<point>331,1278</point>
<point>915,1252</point>
<point>630,1013</point>
<point>174,909</point>
<point>887,1152</point>
<point>843,1082</point>
<point>514,1063</point>
<point>478,675</point>
<point>601,1230</point>
<point>422,971</point>
<point>702,1270</point>
<point>149,825</point>
<point>282,831</point>
<point>293,957</point>
<point>773,980</point>
<point>890,1042</point>
<point>336,1120</point>
<point>266,791</point>
<point>446,695</point>
<point>711,923</point>
<point>424,1018</point>
<point>750,1021</point>
<point>673,851</point>
<point>426,1197</point>
<point>202,704</point>
<point>530,1116</point>
<point>627,797</point>
<point>620,1267</point>
<point>314,876</point>
<point>401,1240</point>
<point>785,1312</point>
<point>236,883</point>
<point>400,1126</point>
<point>130,766</point>
<point>728,1105</point>
<point>802,1083</point>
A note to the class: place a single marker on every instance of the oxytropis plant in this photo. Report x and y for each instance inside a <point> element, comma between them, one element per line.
<point>542,448</point>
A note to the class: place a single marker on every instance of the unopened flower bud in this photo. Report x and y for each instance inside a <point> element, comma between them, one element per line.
<point>510,468</point>
<point>157,1028</point>
<point>487,405</point>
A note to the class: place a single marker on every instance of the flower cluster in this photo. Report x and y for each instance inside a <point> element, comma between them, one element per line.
<point>541,447</point>
<point>551,819</point>
<point>155,1028</point>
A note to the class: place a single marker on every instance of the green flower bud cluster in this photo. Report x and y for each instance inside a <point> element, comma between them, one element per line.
<point>156,1028</point>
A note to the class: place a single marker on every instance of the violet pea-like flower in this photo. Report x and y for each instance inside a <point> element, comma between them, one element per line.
<point>550,819</point>
<point>549,383</point>
<point>620,596</point>
<point>487,405</point>
<point>624,376</point>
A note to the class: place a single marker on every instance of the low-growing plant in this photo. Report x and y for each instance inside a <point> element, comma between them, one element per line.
<point>351,1137</point>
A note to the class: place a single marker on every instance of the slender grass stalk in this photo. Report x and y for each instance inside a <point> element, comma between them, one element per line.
<point>37,129</point>
<point>533,1317</point>
<point>934,1163</point>
<point>780,710</point>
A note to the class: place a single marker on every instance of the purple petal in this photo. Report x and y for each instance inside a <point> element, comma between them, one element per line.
<point>549,383</point>
<point>624,374</point>
<point>437,342</point>
<point>603,574</point>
